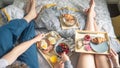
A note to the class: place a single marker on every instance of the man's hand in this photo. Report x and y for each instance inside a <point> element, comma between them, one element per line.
<point>39,37</point>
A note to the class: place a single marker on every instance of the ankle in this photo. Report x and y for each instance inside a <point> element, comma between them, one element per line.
<point>28,18</point>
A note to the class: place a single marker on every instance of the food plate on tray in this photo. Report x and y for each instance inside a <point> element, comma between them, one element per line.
<point>68,21</point>
<point>92,42</point>
<point>51,47</point>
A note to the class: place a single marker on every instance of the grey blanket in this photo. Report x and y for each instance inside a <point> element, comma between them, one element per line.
<point>48,19</point>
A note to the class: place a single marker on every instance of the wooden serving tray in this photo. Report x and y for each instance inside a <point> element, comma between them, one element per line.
<point>81,34</point>
<point>48,55</point>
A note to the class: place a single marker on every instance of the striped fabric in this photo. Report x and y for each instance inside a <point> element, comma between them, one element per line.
<point>3,18</point>
<point>116,25</point>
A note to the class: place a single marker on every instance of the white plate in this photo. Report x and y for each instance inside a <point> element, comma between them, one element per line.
<point>103,47</point>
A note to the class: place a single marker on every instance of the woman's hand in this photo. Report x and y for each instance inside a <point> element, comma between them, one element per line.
<point>64,57</point>
<point>114,57</point>
<point>59,65</point>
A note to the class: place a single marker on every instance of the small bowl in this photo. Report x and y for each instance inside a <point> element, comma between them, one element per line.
<point>61,47</point>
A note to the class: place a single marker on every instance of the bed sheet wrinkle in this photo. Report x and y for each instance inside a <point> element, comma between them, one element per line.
<point>102,13</point>
<point>49,17</point>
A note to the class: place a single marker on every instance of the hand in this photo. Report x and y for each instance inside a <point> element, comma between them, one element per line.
<point>114,57</point>
<point>39,37</point>
<point>64,57</point>
<point>59,65</point>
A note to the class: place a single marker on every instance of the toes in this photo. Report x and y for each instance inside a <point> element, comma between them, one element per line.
<point>27,8</point>
<point>92,3</point>
<point>86,11</point>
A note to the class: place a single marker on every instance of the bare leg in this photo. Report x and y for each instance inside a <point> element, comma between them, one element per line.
<point>102,61</point>
<point>32,13</point>
<point>96,26</point>
<point>28,6</point>
<point>87,60</point>
<point>90,17</point>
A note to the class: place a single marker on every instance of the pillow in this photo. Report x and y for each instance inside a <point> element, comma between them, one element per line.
<point>13,12</point>
<point>3,18</point>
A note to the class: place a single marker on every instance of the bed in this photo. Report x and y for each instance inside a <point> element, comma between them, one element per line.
<point>48,20</point>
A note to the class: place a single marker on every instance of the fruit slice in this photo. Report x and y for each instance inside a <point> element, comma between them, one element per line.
<point>44,44</point>
<point>52,40</point>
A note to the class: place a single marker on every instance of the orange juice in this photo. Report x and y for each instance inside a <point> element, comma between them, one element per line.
<point>53,59</point>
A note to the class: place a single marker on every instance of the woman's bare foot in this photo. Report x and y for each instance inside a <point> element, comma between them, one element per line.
<point>92,14</point>
<point>90,11</point>
<point>91,17</point>
<point>92,3</point>
<point>32,13</point>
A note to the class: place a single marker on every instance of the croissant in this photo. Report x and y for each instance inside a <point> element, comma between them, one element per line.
<point>68,17</point>
<point>98,40</point>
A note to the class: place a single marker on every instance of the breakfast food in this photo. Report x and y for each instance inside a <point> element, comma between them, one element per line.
<point>98,40</point>
<point>44,44</point>
<point>88,48</point>
<point>68,19</point>
<point>53,59</point>
<point>62,47</point>
<point>39,45</point>
<point>47,47</point>
<point>52,40</point>
<point>48,50</point>
<point>79,44</point>
<point>87,38</point>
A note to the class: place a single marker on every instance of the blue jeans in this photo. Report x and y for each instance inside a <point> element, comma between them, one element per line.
<point>9,34</point>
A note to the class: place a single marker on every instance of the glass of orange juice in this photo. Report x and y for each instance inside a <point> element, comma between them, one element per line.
<point>53,59</point>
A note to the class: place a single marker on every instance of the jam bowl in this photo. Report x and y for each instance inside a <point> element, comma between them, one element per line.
<point>61,47</point>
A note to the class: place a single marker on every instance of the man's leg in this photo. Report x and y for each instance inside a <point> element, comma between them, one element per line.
<point>9,33</point>
<point>6,43</point>
<point>30,56</point>
<point>16,27</point>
